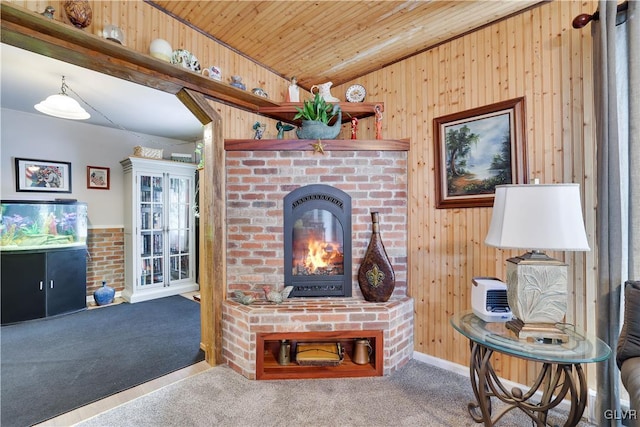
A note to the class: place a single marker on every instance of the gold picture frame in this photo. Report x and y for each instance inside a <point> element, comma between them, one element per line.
<point>477,149</point>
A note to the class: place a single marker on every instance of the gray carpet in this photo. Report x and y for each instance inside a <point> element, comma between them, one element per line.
<point>416,395</point>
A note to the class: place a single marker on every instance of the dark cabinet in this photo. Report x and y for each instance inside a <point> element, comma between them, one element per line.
<point>38,284</point>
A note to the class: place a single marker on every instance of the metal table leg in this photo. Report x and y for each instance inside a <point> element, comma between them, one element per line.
<point>555,381</point>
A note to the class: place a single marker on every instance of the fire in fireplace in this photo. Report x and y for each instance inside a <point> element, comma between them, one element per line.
<point>317,242</point>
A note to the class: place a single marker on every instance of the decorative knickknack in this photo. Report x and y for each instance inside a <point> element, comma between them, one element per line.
<point>316,115</point>
<point>161,49</point>
<point>79,12</point>
<point>375,276</point>
<point>104,295</point>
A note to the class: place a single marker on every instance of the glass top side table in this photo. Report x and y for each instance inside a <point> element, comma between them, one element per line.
<point>560,377</point>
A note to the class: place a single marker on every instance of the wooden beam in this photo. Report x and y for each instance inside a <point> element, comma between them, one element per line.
<point>33,32</point>
<point>213,267</point>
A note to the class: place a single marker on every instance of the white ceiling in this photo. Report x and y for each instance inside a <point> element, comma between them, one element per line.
<point>28,78</point>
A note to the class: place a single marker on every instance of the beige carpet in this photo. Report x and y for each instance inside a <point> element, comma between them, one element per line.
<point>416,395</point>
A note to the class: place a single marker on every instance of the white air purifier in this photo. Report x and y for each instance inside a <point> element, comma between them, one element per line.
<point>489,299</point>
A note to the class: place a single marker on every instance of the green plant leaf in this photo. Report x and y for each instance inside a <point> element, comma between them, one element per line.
<point>316,109</point>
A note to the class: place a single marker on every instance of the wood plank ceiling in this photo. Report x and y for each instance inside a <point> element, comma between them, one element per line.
<point>338,41</point>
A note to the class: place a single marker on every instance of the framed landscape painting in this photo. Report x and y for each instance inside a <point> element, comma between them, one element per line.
<point>477,149</point>
<point>43,176</point>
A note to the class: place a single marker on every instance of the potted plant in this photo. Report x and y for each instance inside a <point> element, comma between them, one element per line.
<point>316,114</point>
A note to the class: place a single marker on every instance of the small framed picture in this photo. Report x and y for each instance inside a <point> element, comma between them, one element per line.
<point>43,176</point>
<point>98,178</point>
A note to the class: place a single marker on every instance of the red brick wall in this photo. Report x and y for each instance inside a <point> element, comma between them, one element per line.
<point>106,258</point>
<point>258,181</point>
<point>242,323</point>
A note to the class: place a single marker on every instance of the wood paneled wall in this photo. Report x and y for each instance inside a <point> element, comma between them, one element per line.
<point>535,54</point>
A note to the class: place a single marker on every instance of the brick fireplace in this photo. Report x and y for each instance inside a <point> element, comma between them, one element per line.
<point>258,179</point>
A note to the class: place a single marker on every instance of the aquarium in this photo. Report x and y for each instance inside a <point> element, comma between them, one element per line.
<point>30,224</point>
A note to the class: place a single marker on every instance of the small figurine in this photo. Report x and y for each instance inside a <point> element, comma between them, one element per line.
<point>318,147</point>
<point>260,92</point>
<point>282,128</point>
<point>236,81</point>
<point>48,12</point>
<point>243,298</point>
<point>79,12</point>
<point>259,128</point>
<point>378,110</point>
<point>293,94</point>
<point>354,128</point>
<point>275,296</point>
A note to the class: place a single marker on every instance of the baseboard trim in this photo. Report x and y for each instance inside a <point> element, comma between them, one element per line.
<point>90,299</point>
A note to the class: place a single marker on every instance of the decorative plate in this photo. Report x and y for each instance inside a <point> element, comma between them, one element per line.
<point>185,59</point>
<point>356,93</point>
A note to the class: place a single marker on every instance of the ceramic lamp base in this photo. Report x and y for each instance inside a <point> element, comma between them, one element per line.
<point>537,289</point>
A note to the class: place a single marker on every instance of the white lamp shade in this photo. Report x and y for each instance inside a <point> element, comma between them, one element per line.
<point>62,106</point>
<point>537,217</point>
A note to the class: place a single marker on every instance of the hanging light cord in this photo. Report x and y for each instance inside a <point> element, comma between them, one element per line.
<point>119,126</point>
<point>64,87</point>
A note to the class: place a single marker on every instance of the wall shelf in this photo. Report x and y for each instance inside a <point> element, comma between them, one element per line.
<point>268,345</point>
<point>33,32</point>
<point>285,111</point>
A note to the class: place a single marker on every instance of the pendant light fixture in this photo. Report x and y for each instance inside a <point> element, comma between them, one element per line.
<point>62,106</point>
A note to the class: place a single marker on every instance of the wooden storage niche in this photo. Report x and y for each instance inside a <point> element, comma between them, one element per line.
<point>268,348</point>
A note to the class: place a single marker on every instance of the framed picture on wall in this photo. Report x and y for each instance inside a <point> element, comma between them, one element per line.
<point>98,178</point>
<point>43,176</point>
<point>477,149</point>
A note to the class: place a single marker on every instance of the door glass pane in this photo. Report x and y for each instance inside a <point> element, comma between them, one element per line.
<point>146,244</point>
<point>184,238</point>
<point>157,189</point>
<point>174,242</point>
<point>145,274</point>
<point>157,217</point>
<point>145,216</point>
<point>179,267</point>
<point>158,244</point>
<point>145,189</point>
<point>318,244</point>
<point>158,275</point>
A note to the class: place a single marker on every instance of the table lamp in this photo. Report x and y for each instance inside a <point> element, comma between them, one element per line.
<point>537,217</point>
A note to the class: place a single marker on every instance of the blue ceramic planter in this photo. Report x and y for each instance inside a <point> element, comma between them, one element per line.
<point>104,295</point>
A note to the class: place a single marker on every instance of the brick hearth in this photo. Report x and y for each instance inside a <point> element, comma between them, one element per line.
<point>242,323</point>
<point>257,182</point>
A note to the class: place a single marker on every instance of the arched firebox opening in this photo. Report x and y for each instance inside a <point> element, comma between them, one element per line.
<point>317,241</point>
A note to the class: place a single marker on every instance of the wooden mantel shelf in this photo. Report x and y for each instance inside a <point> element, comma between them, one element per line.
<point>310,144</point>
<point>33,32</point>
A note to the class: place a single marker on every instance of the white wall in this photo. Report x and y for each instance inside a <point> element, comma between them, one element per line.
<point>36,136</point>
